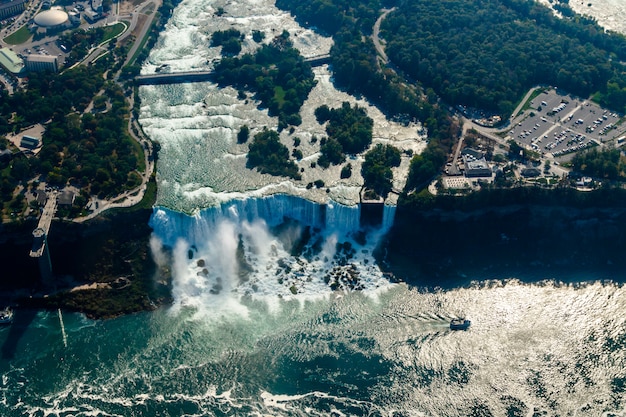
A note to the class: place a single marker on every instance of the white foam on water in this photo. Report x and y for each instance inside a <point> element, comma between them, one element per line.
<point>610,14</point>
<point>223,257</point>
<point>200,163</point>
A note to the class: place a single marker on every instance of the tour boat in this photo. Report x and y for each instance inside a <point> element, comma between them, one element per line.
<point>460,324</point>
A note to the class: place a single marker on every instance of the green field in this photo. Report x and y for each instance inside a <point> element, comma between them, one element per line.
<point>21,36</point>
<point>112,31</point>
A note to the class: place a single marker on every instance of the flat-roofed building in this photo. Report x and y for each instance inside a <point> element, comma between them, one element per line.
<point>10,8</point>
<point>41,197</point>
<point>66,198</point>
<point>29,142</point>
<point>92,16</point>
<point>475,164</point>
<point>42,63</point>
<point>530,172</point>
<point>10,61</point>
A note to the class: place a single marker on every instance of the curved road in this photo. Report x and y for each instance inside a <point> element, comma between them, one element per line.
<point>376,35</point>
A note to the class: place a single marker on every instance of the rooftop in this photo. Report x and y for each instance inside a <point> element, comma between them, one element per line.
<point>10,61</point>
<point>51,18</point>
<point>41,58</point>
<point>10,3</point>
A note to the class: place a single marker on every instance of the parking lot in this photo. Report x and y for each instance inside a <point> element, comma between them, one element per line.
<point>560,125</point>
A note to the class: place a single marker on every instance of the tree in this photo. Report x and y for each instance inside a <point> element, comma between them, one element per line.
<point>322,114</point>
<point>270,156</point>
<point>258,36</point>
<point>376,169</point>
<point>346,171</point>
<point>331,153</point>
<point>243,134</point>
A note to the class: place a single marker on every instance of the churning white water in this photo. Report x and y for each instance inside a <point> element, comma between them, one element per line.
<point>200,163</point>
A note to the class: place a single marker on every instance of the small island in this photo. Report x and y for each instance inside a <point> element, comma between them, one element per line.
<point>276,73</point>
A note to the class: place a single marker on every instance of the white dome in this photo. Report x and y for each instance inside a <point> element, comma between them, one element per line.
<point>51,18</point>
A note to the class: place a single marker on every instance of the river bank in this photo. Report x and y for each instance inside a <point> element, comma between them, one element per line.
<point>105,261</point>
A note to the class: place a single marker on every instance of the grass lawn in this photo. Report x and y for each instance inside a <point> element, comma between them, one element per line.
<point>139,152</point>
<point>21,36</point>
<point>279,95</point>
<point>534,95</point>
<point>143,42</point>
<point>112,31</point>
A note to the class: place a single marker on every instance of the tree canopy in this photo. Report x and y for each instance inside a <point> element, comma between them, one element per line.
<point>606,164</point>
<point>349,132</point>
<point>270,156</point>
<point>376,169</point>
<point>278,75</point>
<point>487,54</point>
<point>229,40</point>
<point>92,150</point>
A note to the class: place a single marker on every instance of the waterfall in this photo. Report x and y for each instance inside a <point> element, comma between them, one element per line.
<point>248,247</point>
<point>171,225</point>
<point>389,214</point>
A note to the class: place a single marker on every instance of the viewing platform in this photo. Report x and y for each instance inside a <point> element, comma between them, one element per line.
<point>43,228</point>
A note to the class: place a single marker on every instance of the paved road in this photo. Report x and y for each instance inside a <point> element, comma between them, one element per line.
<point>144,29</point>
<point>521,104</point>
<point>376,35</point>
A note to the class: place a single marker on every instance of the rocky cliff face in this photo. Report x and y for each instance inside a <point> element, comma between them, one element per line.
<point>450,248</point>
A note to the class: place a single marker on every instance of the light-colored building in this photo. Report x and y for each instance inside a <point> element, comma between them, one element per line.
<point>42,63</point>
<point>92,16</point>
<point>475,164</point>
<point>10,8</point>
<point>10,61</point>
<point>54,18</point>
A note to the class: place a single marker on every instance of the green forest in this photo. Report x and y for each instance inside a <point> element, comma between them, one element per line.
<point>356,69</point>
<point>608,164</point>
<point>269,156</point>
<point>92,150</point>
<point>376,169</point>
<point>332,16</point>
<point>349,131</point>
<point>487,54</point>
<point>277,73</point>
<point>230,41</point>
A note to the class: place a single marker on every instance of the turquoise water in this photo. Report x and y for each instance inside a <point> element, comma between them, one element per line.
<point>533,350</point>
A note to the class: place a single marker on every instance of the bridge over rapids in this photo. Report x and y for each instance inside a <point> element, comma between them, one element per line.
<point>200,76</point>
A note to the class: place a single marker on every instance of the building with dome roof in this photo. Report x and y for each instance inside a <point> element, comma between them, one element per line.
<point>52,19</point>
